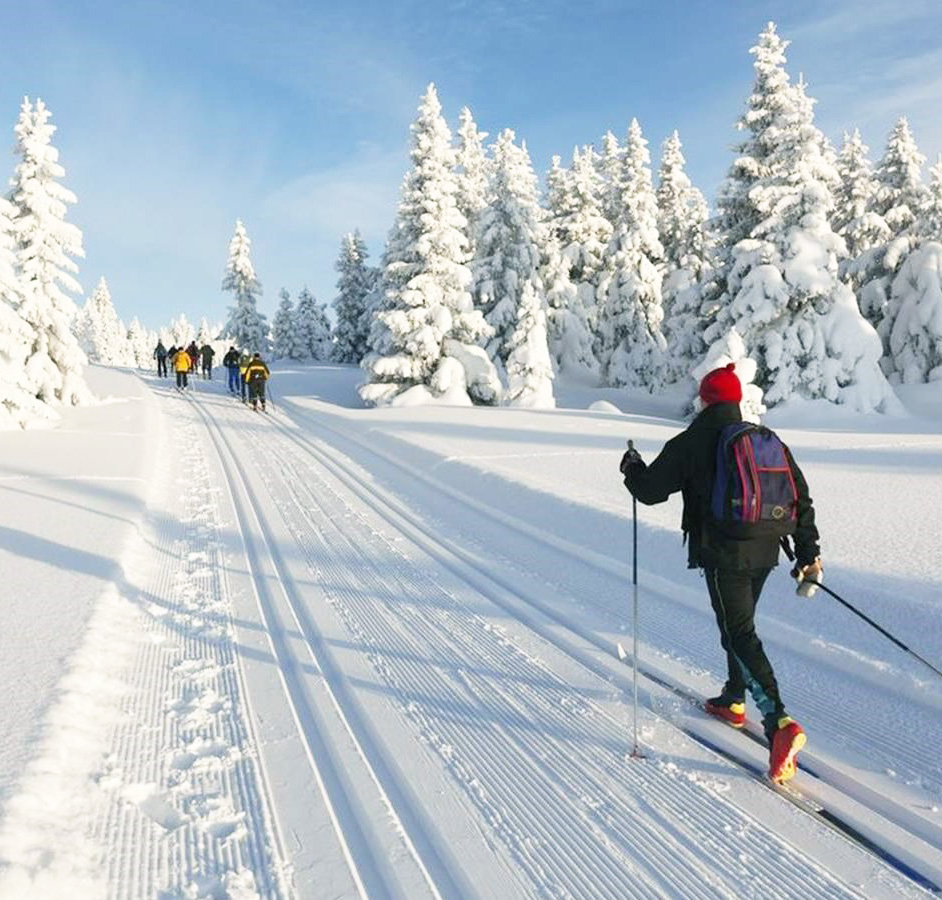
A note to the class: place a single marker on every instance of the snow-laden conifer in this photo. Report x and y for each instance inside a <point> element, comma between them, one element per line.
<point>101,334</point>
<point>141,344</point>
<point>783,295</point>
<point>610,166</point>
<point>426,331</point>
<point>354,286</point>
<point>584,233</point>
<point>631,345</point>
<point>529,369</point>
<point>312,328</point>
<point>930,224</point>
<point>900,201</point>
<point>913,324</point>
<point>18,404</point>
<point>181,331</point>
<point>205,333</point>
<point>509,245</point>
<point>567,324</point>
<point>682,216</point>
<point>44,244</point>
<point>247,327</point>
<point>473,170</point>
<point>854,218</point>
<point>900,196</point>
<point>284,335</point>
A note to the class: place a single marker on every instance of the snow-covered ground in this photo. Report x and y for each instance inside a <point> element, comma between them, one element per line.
<point>331,651</point>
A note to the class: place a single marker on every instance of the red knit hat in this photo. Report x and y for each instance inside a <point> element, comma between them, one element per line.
<point>721,386</point>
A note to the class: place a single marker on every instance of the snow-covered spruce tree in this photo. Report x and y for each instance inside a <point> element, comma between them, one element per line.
<point>312,328</point>
<point>854,219</point>
<point>473,175</point>
<point>44,244</point>
<point>247,327</point>
<point>610,165</point>
<point>567,326</point>
<point>900,200</point>
<point>529,369</point>
<point>181,331</point>
<point>102,336</point>
<point>18,404</point>
<point>356,282</point>
<point>141,344</point>
<point>631,347</point>
<point>584,233</point>
<point>682,215</point>
<point>425,335</point>
<point>912,325</point>
<point>205,333</point>
<point>930,224</point>
<point>799,321</point>
<point>914,341</point>
<point>509,244</point>
<point>285,344</point>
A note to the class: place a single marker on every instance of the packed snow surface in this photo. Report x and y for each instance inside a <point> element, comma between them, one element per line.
<point>329,651</point>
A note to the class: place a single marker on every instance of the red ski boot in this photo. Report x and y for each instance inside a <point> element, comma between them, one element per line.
<point>786,740</point>
<point>731,710</point>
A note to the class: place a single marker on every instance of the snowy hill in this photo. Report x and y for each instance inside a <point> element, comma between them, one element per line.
<point>334,652</point>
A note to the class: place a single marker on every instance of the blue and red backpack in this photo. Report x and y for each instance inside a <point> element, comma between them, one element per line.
<point>754,492</point>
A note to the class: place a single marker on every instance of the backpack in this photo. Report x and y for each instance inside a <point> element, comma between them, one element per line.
<point>754,493</point>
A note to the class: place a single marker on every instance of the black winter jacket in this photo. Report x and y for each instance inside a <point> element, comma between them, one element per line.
<point>686,464</point>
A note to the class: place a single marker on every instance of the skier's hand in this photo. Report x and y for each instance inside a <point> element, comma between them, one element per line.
<point>631,458</point>
<point>812,571</point>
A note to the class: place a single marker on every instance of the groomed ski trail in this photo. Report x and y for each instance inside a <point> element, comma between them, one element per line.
<point>527,743</point>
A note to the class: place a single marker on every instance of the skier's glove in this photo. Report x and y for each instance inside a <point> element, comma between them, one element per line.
<point>631,458</point>
<point>805,575</point>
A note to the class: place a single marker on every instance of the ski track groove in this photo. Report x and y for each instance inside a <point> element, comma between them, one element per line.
<point>185,811</point>
<point>910,762</point>
<point>770,878</point>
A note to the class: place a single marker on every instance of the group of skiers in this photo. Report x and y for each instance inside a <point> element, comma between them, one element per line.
<point>184,361</point>
<point>247,375</point>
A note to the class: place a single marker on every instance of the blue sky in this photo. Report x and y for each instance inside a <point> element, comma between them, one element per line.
<point>176,118</point>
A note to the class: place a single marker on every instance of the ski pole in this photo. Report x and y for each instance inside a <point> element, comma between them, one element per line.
<point>271,398</point>
<point>870,622</point>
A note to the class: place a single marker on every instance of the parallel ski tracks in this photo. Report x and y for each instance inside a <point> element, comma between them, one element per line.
<point>922,759</point>
<point>881,806</point>
<point>608,828</point>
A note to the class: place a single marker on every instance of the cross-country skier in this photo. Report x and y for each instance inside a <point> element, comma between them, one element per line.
<point>181,365</point>
<point>160,354</point>
<point>256,375</point>
<point>206,357</point>
<point>735,570</point>
<point>244,361</point>
<point>231,362</point>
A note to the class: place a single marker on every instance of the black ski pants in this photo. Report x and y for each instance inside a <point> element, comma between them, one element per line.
<point>734,596</point>
<point>181,379</point>
<point>257,391</point>
<point>161,366</point>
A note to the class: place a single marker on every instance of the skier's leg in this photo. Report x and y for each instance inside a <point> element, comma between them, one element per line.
<point>733,595</point>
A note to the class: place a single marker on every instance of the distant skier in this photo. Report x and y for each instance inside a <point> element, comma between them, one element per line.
<point>160,354</point>
<point>181,365</point>
<point>193,352</point>
<point>231,362</point>
<point>256,375</point>
<point>735,569</point>
<point>244,360</point>
<point>206,357</point>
